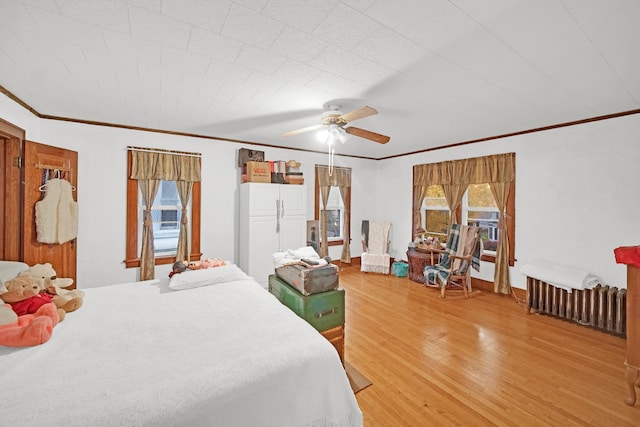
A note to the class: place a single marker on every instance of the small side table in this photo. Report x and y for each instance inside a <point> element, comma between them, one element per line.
<point>418,258</point>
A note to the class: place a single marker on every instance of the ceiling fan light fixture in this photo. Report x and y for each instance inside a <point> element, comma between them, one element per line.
<point>343,136</point>
<point>322,135</point>
<point>333,126</point>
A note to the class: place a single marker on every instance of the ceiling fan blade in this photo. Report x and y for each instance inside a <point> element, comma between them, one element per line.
<point>359,114</point>
<point>303,130</point>
<point>367,134</point>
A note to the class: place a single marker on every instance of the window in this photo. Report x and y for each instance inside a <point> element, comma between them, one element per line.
<point>477,206</point>
<point>338,210</point>
<point>166,214</point>
<point>435,213</point>
<point>479,209</point>
<point>335,215</point>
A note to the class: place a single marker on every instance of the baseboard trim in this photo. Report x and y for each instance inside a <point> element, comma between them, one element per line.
<point>479,284</point>
<point>485,285</point>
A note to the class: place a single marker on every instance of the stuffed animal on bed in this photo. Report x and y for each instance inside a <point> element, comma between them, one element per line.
<point>206,263</point>
<point>27,330</point>
<point>25,295</point>
<point>53,284</point>
<point>178,267</point>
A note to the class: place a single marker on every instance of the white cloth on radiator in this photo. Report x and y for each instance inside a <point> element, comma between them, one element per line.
<point>561,276</point>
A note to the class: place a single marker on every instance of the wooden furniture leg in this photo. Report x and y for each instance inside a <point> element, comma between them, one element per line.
<point>633,381</point>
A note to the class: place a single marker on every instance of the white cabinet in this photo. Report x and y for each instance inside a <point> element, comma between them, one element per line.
<point>273,218</point>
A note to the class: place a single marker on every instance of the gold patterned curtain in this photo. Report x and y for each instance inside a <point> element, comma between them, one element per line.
<point>341,178</point>
<point>149,166</point>
<point>148,188</point>
<point>419,193</point>
<point>345,256</point>
<point>501,284</point>
<point>184,245</point>
<point>497,170</point>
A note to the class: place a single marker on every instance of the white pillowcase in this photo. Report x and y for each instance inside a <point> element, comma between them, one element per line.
<point>206,277</point>
<point>10,270</point>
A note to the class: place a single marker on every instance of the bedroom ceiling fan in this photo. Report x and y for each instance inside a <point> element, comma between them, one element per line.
<point>334,127</point>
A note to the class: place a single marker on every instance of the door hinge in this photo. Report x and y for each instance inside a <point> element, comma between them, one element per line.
<point>17,162</point>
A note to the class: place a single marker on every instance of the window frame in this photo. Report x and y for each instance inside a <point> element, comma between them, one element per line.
<point>511,218</point>
<point>466,209</point>
<point>162,209</point>
<point>341,208</point>
<point>346,217</point>
<point>132,248</point>
<point>423,218</point>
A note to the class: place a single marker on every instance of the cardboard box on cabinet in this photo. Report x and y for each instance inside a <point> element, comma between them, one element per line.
<point>258,172</point>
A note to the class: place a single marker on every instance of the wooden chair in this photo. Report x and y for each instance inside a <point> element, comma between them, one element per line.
<point>462,251</point>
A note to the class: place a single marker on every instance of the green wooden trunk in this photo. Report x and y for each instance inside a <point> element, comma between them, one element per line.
<point>323,311</point>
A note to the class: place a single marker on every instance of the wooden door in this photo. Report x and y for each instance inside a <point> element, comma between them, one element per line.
<point>40,159</point>
<point>11,138</point>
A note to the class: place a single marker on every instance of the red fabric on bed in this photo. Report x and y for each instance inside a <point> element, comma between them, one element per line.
<point>32,304</point>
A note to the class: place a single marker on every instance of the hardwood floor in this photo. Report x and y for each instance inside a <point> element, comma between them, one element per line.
<point>476,362</point>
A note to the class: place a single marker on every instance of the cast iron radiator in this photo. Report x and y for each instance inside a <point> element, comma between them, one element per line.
<point>602,307</point>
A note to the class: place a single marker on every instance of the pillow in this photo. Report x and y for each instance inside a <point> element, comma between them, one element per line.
<point>206,277</point>
<point>10,270</point>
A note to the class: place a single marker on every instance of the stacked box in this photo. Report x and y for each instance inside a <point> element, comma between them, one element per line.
<point>309,281</point>
<point>258,172</point>
<point>323,311</point>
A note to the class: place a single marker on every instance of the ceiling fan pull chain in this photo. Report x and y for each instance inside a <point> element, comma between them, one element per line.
<point>331,151</point>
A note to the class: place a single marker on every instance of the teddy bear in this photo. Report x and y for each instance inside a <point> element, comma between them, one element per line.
<point>27,330</point>
<point>24,294</point>
<point>53,284</point>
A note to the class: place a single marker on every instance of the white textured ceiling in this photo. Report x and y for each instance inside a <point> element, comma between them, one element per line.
<point>439,72</point>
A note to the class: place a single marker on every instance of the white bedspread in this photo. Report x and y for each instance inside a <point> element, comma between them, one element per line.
<point>141,354</point>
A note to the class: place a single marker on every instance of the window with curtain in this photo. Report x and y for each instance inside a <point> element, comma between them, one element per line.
<point>169,183</point>
<point>435,214</point>
<point>479,209</point>
<point>334,216</point>
<point>333,190</point>
<point>166,216</point>
<point>478,191</point>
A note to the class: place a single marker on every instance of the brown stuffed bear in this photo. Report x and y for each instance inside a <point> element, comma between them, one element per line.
<point>25,297</point>
<point>53,284</point>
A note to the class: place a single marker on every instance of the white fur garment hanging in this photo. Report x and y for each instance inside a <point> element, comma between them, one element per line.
<point>57,213</point>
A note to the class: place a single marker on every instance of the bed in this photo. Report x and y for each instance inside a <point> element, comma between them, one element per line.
<point>218,353</point>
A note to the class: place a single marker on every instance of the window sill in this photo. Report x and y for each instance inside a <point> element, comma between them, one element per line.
<point>492,259</point>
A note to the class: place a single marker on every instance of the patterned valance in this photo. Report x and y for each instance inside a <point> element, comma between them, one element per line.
<point>477,170</point>
<point>164,164</point>
<point>340,177</point>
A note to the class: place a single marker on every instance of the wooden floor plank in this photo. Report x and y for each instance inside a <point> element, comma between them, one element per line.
<point>482,361</point>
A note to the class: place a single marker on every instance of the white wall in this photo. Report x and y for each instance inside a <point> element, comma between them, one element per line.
<point>102,163</point>
<point>576,192</point>
<point>577,195</point>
